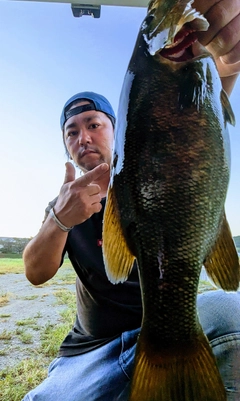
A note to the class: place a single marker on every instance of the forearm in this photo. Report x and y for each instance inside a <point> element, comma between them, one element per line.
<point>42,255</point>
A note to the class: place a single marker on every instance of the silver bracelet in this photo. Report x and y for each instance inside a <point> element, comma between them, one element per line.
<point>58,222</point>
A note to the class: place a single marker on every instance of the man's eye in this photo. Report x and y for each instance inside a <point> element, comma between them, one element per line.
<point>72,133</point>
<point>94,126</point>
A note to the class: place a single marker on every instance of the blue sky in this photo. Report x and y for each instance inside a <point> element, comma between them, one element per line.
<point>46,56</point>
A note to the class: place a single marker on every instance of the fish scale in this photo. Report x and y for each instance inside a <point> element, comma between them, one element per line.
<point>165,203</point>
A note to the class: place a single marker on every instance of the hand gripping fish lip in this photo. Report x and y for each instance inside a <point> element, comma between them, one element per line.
<point>177,29</point>
<point>185,46</point>
<point>181,49</point>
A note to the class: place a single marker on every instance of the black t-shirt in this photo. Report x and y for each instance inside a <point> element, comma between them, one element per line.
<point>104,310</point>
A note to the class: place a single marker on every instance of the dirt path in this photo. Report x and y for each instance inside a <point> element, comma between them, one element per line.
<point>25,303</point>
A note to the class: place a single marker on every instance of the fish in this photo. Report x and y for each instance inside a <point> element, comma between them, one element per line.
<point>165,206</point>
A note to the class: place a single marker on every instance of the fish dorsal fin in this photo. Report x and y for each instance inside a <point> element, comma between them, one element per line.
<point>117,257</point>
<point>222,264</point>
<point>227,108</point>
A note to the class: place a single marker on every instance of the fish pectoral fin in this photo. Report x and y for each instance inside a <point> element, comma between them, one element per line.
<point>227,108</point>
<point>176,373</point>
<point>117,257</point>
<point>222,264</point>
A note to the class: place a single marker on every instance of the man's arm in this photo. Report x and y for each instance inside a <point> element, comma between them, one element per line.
<point>43,254</point>
<point>77,201</point>
<point>223,37</point>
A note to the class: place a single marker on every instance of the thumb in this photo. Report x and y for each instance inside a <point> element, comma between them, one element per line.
<point>70,173</point>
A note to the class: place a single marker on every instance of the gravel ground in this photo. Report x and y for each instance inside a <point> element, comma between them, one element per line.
<point>25,302</point>
<point>28,302</point>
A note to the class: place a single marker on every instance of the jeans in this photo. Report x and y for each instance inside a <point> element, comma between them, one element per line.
<point>103,374</point>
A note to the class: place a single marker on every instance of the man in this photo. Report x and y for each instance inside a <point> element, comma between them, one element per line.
<point>95,359</point>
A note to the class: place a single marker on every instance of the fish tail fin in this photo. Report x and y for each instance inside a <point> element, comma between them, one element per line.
<point>117,257</point>
<point>184,374</point>
<point>222,264</point>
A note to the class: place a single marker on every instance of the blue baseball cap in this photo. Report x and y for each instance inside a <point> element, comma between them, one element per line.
<point>98,103</point>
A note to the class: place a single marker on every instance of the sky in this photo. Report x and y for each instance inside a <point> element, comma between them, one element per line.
<point>46,56</point>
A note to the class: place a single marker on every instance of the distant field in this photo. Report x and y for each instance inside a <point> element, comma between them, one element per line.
<point>10,255</point>
<point>13,263</point>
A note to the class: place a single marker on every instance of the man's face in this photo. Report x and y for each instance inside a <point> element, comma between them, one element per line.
<point>89,138</point>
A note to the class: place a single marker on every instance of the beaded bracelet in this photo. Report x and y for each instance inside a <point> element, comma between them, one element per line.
<point>58,222</point>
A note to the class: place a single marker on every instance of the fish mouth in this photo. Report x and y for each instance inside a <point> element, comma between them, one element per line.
<point>185,46</point>
<point>173,34</point>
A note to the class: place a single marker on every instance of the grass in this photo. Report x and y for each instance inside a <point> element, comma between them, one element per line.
<point>13,263</point>
<point>17,381</point>
<point>9,265</point>
<point>4,315</point>
<point>5,335</point>
<point>26,322</point>
<point>3,352</point>
<point>10,256</point>
<point>205,286</point>
<point>4,299</point>
<point>65,297</point>
<point>63,275</point>
<point>22,329</point>
<point>24,336</point>
<point>30,297</point>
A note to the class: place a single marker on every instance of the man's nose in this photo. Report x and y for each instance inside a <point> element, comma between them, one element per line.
<point>84,137</point>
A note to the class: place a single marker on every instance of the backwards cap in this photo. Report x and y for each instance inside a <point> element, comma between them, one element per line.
<point>99,103</point>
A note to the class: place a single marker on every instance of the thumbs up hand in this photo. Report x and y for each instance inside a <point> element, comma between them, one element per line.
<point>79,198</point>
<point>69,173</point>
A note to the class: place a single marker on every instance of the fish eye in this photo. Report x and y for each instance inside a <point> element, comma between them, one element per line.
<point>149,19</point>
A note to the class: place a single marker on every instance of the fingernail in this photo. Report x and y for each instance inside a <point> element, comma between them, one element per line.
<point>104,166</point>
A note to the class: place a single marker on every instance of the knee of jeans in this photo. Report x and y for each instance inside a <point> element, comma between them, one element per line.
<point>26,398</point>
<point>53,365</point>
<point>126,358</point>
<point>227,352</point>
<point>219,313</point>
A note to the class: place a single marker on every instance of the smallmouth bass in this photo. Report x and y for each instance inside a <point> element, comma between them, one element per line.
<point>165,203</point>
